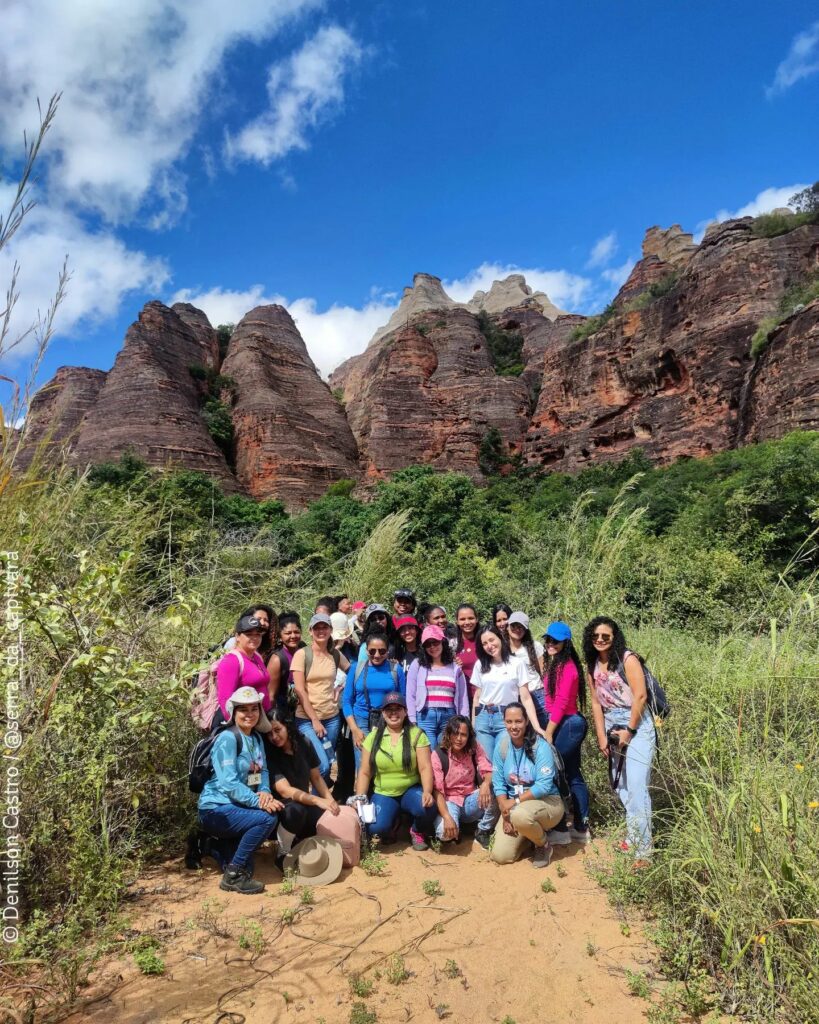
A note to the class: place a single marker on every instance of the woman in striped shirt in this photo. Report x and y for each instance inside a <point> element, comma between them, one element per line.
<point>436,686</point>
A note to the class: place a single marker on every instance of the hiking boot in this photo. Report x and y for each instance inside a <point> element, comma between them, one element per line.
<point>580,835</point>
<point>542,856</point>
<point>559,838</point>
<point>417,840</point>
<point>483,837</point>
<point>238,880</point>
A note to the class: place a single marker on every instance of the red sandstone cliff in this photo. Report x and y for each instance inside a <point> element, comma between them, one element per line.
<point>291,436</point>
<point>57,412</point>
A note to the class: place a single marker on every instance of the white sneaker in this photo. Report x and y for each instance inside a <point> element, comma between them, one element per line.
<point>542,856</point>
<point>557,838</point>
<point>580,835</point>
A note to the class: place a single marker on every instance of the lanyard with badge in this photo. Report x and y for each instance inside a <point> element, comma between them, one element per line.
<point>254,774</point>
<point>519,788</point>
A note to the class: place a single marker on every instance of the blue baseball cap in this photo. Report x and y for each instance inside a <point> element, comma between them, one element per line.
<point>558,631</point>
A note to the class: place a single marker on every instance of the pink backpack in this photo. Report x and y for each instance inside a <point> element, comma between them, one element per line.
<point>346,828</point>
<point>205,699</point>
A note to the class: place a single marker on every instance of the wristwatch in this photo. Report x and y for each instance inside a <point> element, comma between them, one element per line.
<point>633,732</point>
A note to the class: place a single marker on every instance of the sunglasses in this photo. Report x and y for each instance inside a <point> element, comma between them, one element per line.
<point>605,637</point>
<point>376,650</point>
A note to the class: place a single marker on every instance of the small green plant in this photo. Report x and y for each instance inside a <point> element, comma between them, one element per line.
<point>591,949</point>
<point>359,986</point>
<point>637,984</point>
<point>547,885</point>
<point>451,969</point>
<point>441,1010</point>
<point>251,936</point>
<point>422,329</point>
<point>288,915</point>
<point>307,897</point>
<point>624,929</point>
<point>360,1014</point>
<point>373,862</point>
<point>289,884</point>
<point>149,961</point>
<point>288,999</point>
<point>594,323</point>
<point>561,871</point>
<point>508,1020</point>
<point>435,844</point>
<point>396,971</point>
<point>432,887</point>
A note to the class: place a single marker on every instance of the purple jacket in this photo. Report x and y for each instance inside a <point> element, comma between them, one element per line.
<point>417,689</point>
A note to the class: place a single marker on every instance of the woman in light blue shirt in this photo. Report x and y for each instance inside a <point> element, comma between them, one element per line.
<point>236,804</point>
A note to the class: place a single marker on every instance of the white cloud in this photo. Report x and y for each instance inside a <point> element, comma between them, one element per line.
<point>801,61</point>
<point>617,276</point>
<point>765,201</point>
<point>603,250</point>
<point>135,79</point>
<point>302,90</point>
<point>331,335</point>
<point>103,269</point>
<point>563,288</point>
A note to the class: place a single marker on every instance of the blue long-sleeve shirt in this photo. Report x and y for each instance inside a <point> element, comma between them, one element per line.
<point>511,766</point>
<point>228,784</point>
<point>380,682</point>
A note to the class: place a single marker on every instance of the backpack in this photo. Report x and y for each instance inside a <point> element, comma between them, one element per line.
<point>205,699</point>
<point>560,774</point>
<point>443,757</point>
<point>657,701</point>
<point>361,673</point>
<point>200,765</point>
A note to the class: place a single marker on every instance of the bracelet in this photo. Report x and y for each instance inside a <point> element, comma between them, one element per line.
<point>630,730</point>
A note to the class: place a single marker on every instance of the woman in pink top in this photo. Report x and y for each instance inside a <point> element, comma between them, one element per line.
<point>462,775</point>
<point>466,648</point>
<point>436,686</point>
<point>243,666</point>
<point>564,684</point>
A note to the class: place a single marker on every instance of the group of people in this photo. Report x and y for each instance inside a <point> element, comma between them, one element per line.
<point>389,713</point>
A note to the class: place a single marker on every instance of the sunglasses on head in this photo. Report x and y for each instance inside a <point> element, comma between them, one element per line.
<point>602,636</point>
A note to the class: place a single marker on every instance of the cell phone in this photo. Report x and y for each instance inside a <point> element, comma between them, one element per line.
<point>367,812</point>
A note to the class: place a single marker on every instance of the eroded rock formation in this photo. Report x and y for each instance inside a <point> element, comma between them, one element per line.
<point>291,436</point>
<point>57,412</point>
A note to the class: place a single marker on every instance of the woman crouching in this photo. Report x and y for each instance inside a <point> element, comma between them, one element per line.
<point>397,754</point>
<point>463,784</point>
<point>524,780</point>
<point>236,805</point>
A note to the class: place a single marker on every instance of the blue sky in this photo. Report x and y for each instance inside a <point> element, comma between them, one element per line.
<point>320,153</point>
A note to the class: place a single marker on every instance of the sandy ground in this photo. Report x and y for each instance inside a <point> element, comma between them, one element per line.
<point>518,953</point>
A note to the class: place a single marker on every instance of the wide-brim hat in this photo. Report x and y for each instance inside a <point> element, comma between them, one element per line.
<point>248,695</point>
<point>317,860</point>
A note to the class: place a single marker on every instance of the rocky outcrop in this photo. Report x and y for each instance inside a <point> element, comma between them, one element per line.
<point>783,393</point>
<point>666,253</point>
<point>670,377</point>
<point>429,394</point>
<point>202,331</point>
<point>513,292</point>
<point>57,412</point>
<point>291,436</point>
<point>150,403</point>
<point>425,293</point>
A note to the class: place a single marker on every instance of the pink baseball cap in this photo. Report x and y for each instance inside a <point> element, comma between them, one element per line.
<point>358,605</point>
<point>432,633</point>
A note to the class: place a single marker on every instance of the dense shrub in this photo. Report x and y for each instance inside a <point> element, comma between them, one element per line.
<point>505,347</point>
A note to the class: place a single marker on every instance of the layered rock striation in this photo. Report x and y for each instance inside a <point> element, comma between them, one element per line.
<point>291,436</point>
<point>57,413</point>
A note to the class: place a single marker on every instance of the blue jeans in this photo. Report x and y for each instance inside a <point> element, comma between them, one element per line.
<point>634,779</point>
<point>245,828</point>
<point>488,726</point>
<point>539,700</point>
<point>364,725</point>
<point>569,739</point>
<point>326,757</point>
<point>470,811</point>
<point>387,809</point>
<point>432,721</point>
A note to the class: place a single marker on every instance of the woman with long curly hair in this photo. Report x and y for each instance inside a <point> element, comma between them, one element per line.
<point>624,726</point>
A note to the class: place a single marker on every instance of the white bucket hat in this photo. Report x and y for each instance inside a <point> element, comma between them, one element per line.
<point>248,695</point>
<point>316,861</point>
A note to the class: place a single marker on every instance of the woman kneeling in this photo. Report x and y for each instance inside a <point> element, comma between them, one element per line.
<point>524,779</point>
<point>463,784</point>
<point>236,804</point>
<point>397,754</point>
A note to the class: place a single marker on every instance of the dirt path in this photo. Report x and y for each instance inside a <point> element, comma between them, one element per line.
<point>518,952</point>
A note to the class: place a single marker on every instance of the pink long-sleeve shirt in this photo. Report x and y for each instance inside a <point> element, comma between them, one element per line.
<point>564,701</point>
<point>253,673</point>
<point>460,779</point>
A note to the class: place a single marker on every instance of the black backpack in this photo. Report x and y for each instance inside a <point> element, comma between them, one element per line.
<point>200,766</point>
<point>443,757</point>
<point>657,701</point>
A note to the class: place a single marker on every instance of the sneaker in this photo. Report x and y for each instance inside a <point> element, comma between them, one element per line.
<point>417,840</point>
<point>542,856</point>
<point>483,837</point>
<point>559,837</point>
<point>580,835</point>
<point>238,880</point>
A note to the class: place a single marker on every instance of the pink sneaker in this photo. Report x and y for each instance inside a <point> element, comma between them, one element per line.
<point>417,840</point>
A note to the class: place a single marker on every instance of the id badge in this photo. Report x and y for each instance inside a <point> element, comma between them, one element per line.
<point>519,790</point>
<point>254,778</point>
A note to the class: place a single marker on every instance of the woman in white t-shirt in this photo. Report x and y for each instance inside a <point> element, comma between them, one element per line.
<point>522,645</point>
<point>499,679</point>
